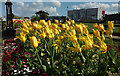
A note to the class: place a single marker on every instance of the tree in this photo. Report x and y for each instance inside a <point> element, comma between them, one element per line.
<point>42,14</point>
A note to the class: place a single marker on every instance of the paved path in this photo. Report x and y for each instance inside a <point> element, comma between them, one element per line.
<point>114,37</point>
<point>0,50</point>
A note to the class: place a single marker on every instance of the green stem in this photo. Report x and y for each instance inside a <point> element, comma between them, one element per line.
<point>48,47</point>
<point>39,58</point>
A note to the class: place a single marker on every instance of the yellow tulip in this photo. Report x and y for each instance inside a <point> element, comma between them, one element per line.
<point>75,48</point>
<point>56,21</point>
<point>60,37</point>
<point>101,27</point>
<point>36,22</point>
<point>30,29</point>
<point>72,21</point>
<point>74,38</point>
<point>68,22</point>
<point>96,33</point>
<point>45,24</point>
<point>22,38</point>
<point>49,22</point>
<point>50,36</point>
<point>25,30</point>
<point>27,24</point>
<point>41,21</point>
<point>43,35</point>
<point>59,30</point>
<point>55,25</point>
<point>71,27</point>
<point>85,30</point>
<point>110,24</point>
<point>24,25</point>
<point>103,47</point>
<point>67,27</point>
<point>79,28</point>
<point>34,41</point>
<point>29,21</point>
<point>56,32</point>
<point>95,25</point>
<point>82,38</point>
<point>110,30</point>
<point>108,33</point>
<point>47,30</point>
<point>90,38</point>
<point>73,31</point>
<point>63,26</point>
<point>87,45</point>
<point>56,48</point>
<point>34,25</point>
<point>103,37</point>
<point>39,27</point>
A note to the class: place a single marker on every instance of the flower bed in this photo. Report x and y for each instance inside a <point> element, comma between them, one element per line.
<point>45,48</point>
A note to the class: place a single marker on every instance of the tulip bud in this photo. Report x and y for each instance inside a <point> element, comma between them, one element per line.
<point>34,41</point>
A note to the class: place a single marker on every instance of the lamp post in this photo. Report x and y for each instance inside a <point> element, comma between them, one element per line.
<point>9,14</point>
<point>9,31</point>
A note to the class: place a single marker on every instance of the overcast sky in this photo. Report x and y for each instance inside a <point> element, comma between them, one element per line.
<point>59,8</point>
<point>63,0</point>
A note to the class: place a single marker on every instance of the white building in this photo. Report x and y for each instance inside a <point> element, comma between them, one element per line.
<point>86,14</point>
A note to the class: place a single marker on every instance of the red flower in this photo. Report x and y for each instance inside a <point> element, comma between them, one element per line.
<point>7,73</point>
<point>17,22</point>
<point>16,27</point>
<point>21,21</point>
<point>24,65</point>
<point>11,51</point>
<point>5,59</point>
<point>28,54</point>
<point>98,43</point>
<point>35,72</point>
<point>23,62</point>
<point>44,74</point>
<point>13,66</point>
<point>114,45</point>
